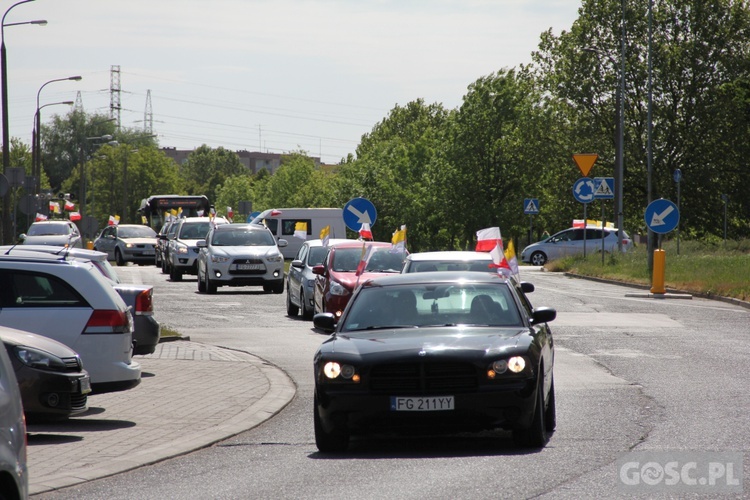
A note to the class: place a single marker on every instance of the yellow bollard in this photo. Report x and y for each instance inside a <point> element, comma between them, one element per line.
<point>660,261</point>
<point>90,245</point>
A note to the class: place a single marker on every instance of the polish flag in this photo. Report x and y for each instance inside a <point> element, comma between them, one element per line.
<point>365,232</point>
<point>40,217</point>
<point>74,216</point>
<point>366,252</point>
<point>489,240</point>
<point>69,206</point>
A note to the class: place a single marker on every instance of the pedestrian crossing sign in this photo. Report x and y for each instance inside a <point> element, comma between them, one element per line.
<point>531,206</point>
<point>604,188</point>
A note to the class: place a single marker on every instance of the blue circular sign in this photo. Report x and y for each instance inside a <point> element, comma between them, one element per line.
<point>359,211</point>
<point>583,190</point>
<point>677,175</point>
<point>662,216</point>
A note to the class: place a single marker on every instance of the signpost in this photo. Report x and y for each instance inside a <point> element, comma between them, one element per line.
<point>604,190</point>
<point>677,175</point>
<point>359,211</point>
<point>583,191</point>
<point>531,207</point>
<point>661,217</point>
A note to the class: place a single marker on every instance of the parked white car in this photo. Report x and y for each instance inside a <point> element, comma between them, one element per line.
<point>240,255</point>
<point>53,232</point>
<point>570,242</point>
<point>72,302</point>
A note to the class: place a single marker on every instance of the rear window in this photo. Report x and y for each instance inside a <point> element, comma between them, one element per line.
<point>29,289</point>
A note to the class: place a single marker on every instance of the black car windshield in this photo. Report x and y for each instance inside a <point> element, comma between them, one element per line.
<point>243,238</point>
<point>421,305</point>
<point>136,232</point>
<point>316,256</point>
<point>48,229</point>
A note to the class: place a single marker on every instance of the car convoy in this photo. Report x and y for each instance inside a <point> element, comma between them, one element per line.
<point>70,327</point>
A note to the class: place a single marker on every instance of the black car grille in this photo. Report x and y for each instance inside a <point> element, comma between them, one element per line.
<point>423,378</point>
<point>72,364</point>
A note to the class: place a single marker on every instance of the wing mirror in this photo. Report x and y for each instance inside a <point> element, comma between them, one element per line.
<point>543,315</point>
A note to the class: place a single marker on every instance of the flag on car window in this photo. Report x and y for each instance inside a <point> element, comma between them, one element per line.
<point>364,258</point>
<point>113,220</point>
<point>325,235</point>
<point>40,217</point>
<point>144,220</point>
<point>365,232</point>
<point>74,216</point>
<point>54,207</point>
<point>489,240</point>
<point>300,230</point>
<point>398,241</point>
<point>69,206</point>
<point>230,213</point>
<point>510,257</point>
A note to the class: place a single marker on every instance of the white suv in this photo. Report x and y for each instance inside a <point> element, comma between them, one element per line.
<point>72,302</point>
<point>183,249</point>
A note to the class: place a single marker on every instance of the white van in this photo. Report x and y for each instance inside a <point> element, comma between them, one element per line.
<point>282,222</point>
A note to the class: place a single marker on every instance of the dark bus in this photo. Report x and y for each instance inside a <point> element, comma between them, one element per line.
<point>155,208</point>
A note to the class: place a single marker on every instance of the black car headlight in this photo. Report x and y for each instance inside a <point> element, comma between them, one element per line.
<point>36,358</point>
<point>334,371</point>
<point>512,365</point>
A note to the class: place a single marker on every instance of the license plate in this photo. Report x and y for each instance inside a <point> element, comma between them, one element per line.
<point>434,403</point>
<point>250,267</point>
<point>85,385</point>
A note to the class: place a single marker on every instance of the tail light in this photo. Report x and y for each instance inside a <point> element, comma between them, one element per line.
<point>108,321</point>
<point>144,302</point>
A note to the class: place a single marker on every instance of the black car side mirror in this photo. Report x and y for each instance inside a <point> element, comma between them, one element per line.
<point>543,315</point>
<point>527,287</point>
<point>325,322</point>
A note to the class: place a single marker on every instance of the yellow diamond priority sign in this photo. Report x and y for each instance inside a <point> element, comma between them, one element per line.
<point>585,161</point>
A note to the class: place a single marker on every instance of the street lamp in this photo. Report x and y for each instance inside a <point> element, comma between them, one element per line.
<point>36,150</point>
<point>6,135</point>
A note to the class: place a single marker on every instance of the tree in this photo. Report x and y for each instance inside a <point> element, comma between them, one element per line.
<point>207,168</point>
<point>298,182</point>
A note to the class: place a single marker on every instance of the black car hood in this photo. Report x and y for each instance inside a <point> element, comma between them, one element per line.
<point>471,342</point>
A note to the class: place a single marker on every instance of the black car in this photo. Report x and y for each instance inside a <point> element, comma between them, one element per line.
<point>435,351</point>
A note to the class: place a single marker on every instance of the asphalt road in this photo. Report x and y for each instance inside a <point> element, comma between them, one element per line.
<point>631,374</point>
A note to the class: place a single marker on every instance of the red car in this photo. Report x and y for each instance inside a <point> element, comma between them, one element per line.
<point>336,277</point>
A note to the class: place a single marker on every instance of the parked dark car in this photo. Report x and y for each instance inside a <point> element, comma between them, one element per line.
<point>51,377</point>
<point>435,352</point>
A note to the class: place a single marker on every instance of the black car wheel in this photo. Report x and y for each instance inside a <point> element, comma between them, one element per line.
<point>118,257</point>
<point>291,309</point>
<point>201,284</point>
<point>307,313</point>
<point>329,442</point>
<point>538,258</point>
<point>210,287</point>
<point>550,414</point>
<point>536,435</point>
<point>175,275</point>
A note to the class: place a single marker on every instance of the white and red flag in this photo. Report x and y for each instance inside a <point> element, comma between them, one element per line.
<point>365,232</point>
<point>113,220</point>
<point>69,206</point>
<point>74,216</point>
<point>39,217</point>
<point>489,240</point>
<point>366,253</point>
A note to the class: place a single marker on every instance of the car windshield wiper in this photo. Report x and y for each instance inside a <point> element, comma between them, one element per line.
<point>382,327</point>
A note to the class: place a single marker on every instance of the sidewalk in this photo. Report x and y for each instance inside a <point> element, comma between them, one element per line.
<point>191,395</point>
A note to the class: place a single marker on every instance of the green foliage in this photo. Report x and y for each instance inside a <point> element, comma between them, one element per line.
<point>206,169</point>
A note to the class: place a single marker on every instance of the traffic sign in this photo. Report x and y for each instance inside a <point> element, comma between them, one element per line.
<point>359,211</point>
<point>604,188</point>
<point>677,175</point>
<point>662,216</point>
<point>585,161</point>
<point>531,206</point>
<point>583,190</point>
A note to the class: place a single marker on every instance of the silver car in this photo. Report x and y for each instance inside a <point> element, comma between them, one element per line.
<point>571,242</point>
<point>127,243</point>
<point>240,255</point>
<point>53,232</point>
<point>300,281</point>
<point>183,249</point>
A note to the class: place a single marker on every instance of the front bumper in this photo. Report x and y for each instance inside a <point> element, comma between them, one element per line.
<point>230,274</point>
<point>138,253</point>
<point>508,406</point>
<point>53,394</point>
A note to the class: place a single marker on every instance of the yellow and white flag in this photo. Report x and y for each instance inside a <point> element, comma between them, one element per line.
<point>510,256</point>
<point>325,235</point>
<point>300,230</point>
<point>398,241</point>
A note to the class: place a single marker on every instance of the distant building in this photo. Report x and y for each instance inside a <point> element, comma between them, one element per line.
<point>254,161</point>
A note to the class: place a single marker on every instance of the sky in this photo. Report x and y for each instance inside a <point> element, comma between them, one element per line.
<point>263,75</point>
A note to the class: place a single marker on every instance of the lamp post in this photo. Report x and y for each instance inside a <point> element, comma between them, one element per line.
<point>37,133</point>
<point>6,135</point>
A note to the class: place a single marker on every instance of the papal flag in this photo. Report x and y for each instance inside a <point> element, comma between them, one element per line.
<point>398,241</point>
<point>325,235</point>
<point>300,230</point>
<point>54,207</point>
<point>113,220</point>
<point>510,256</point>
